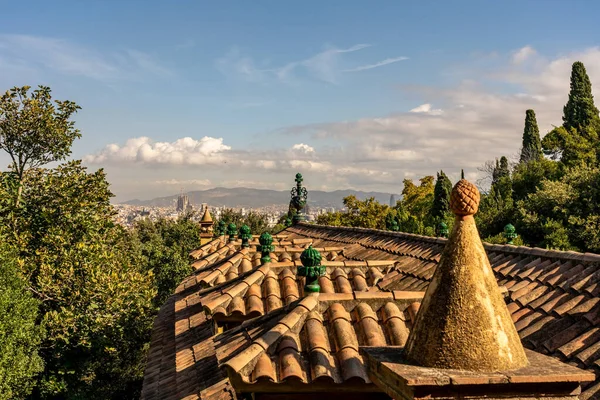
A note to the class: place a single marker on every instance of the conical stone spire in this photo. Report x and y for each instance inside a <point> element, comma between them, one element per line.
<point>463,322</point>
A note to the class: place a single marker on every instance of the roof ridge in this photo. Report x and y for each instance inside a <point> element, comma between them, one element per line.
<point>507,248</point>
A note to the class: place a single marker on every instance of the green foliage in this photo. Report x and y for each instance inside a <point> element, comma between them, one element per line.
<point>572,146</point>
<point>163,247</point>
<point>527,177</point>
<point>500,239</point>
<point>412,214</point>
<point>257,222</point>
<point>95,304</point>
<point>418,200</point>
<point>20,336</point>
<point>531,148</point>
<point>34,130</point>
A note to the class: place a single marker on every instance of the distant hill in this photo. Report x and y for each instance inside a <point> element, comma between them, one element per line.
<point>254,198</point>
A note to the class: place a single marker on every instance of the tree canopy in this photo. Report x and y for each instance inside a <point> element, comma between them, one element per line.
<point>34,130</point>
<point>78,293</point>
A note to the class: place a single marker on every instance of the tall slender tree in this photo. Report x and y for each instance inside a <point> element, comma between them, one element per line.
<point>441,196</point>
<point>532,145</point>
<point>580,111</point>
<point>577,140</point>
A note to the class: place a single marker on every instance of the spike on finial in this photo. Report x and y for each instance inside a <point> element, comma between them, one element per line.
<point>462,173</point>
<point>299,197</point>
<point>463,322</point>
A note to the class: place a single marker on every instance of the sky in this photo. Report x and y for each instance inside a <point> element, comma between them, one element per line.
<point>193,95</point>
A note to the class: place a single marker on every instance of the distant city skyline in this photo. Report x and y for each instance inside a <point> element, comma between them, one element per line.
<point>246,94</point>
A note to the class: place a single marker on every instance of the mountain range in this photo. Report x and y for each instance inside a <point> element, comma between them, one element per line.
<point>255,198</point>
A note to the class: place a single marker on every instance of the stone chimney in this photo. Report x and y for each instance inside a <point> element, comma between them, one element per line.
<point>206,227</point>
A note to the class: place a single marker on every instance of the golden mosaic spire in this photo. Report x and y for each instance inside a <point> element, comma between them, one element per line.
<point>463,322</point>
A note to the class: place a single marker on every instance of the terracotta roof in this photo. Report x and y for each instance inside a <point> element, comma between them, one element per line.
<point>324,330</point>
<point>553,298</point>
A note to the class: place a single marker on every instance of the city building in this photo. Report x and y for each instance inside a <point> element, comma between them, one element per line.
<point>326,312</point>
<point>183,203</point>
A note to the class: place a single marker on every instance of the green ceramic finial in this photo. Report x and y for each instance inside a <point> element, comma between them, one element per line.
<point>232,231</point>
<point>245,235</point>
<point>442,229</point>
<point>311,269</point>
<point>266,247</point>
<point>510,233</point>
<point>299,196</point>
<point>288,222</point>
<point>221,228</point>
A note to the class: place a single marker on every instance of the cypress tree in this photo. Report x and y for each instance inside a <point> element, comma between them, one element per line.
<point>441,196</point>
<point>504,167</point>
<point>580,111</point>
<point>500,170</point>
<point>532,145</point>
<point>501,184</point>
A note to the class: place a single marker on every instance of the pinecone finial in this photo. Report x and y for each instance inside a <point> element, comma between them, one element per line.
<point>464,199</point>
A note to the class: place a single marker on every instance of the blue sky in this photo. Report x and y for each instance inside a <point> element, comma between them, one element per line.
<point>262,89</point>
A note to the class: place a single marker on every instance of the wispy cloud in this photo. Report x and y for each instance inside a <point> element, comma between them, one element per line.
<point>376,65</point>
<point>322,66</point>
<point>523,54</point>
<point>147,63</point>
<point>426,108</point>
<point>69,58</point>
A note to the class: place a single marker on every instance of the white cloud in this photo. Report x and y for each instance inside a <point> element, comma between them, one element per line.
<point>143,150</point>
<point>523,54</point>
<point>303,147</point>
<point>426,108</point>
<point>376,65</point>
<point>70,58</point>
